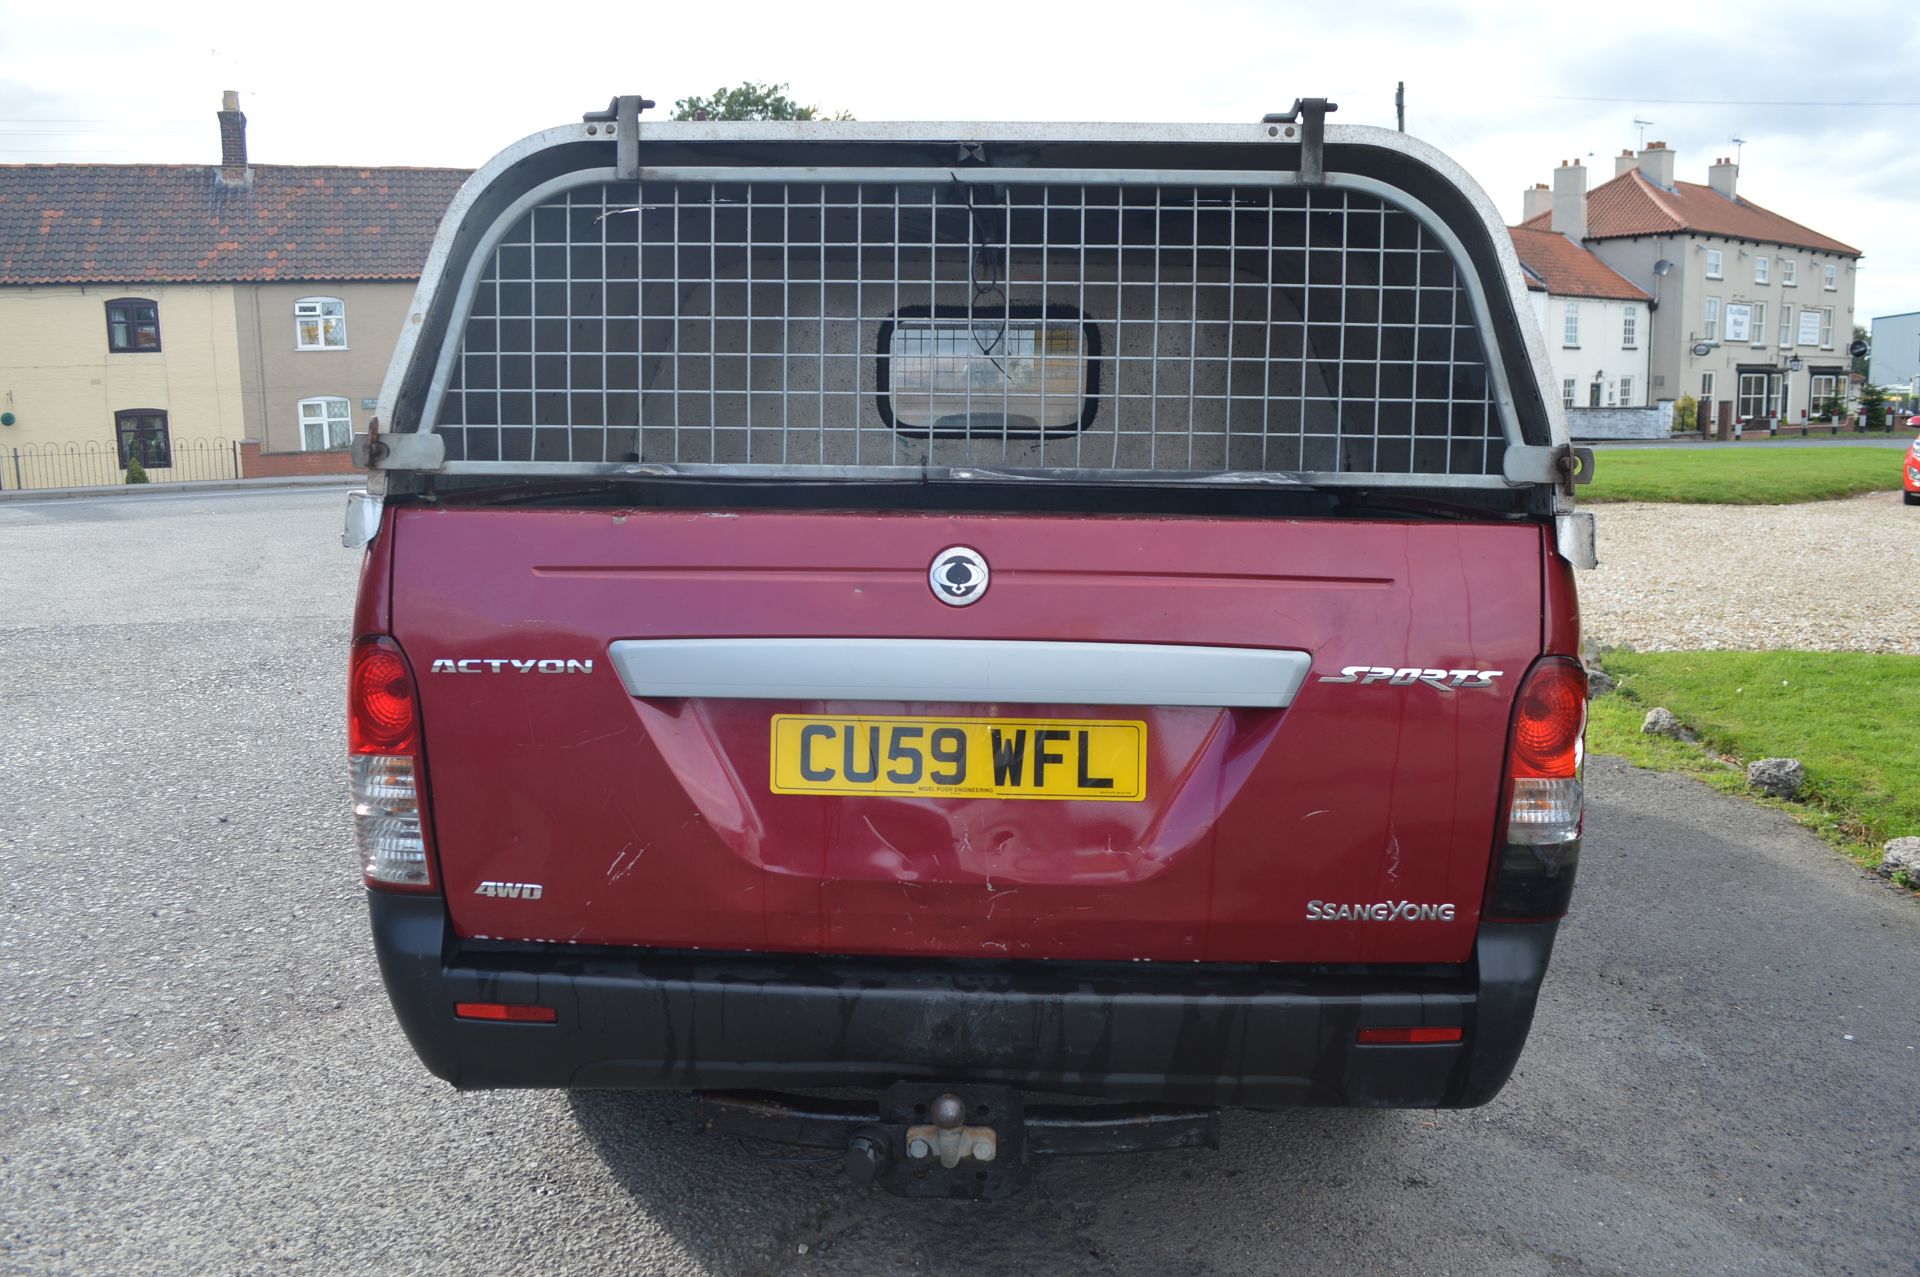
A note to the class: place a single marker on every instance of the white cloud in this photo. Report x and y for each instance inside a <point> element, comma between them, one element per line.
<point>396,83</point>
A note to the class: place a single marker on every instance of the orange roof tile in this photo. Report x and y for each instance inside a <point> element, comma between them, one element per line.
<point>172,223</point>
<point>1631,205</point>
<point>1567,270</point>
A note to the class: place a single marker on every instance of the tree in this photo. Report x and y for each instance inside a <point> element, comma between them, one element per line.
<point>749,101</point>
<point>1873,401</point>
<point>1860,361</point>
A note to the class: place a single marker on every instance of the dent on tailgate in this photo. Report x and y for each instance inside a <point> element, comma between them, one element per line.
<point>656,822</point>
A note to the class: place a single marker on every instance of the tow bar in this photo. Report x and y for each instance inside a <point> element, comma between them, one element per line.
<point>952,1141</point>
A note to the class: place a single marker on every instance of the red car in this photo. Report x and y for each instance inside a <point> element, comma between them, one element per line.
<point>1912,466</point>
<point>969,612</point>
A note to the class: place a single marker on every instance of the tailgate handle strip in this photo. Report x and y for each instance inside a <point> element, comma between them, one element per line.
<point>960,671</point>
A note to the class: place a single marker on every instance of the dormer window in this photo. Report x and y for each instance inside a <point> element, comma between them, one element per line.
<point>320,323</point>
<point>133,325</point>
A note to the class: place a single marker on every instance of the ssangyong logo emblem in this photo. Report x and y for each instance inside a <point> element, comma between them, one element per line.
<point>958,576</point>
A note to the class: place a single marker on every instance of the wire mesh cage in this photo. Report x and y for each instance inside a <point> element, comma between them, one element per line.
<point>1157,329</point>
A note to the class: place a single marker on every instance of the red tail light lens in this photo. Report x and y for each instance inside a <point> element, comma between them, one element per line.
<point>1549,721</point>
<point>506,1012</point>
<point>1412,1035</point>
<point>1545,802</point>
<point>383,754</point>
<point>381,718</point>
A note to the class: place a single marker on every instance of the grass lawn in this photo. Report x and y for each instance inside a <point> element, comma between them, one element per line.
<point>1741,474</point>
<point>1853,718</point>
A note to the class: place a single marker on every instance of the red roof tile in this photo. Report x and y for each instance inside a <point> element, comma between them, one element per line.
<point>1631,205</point>
<point>1568,270</point>
<point>178,223</point>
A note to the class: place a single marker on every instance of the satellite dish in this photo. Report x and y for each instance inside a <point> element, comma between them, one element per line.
<point>1662,266</point>
<point>1858,349</point>
<point>1703,348</point>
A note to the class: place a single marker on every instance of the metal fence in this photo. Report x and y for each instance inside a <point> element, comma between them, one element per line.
<point>1150,328</point>
<point>96,464</point>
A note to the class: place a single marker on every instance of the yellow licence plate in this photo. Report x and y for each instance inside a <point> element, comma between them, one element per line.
<point>960,757</point>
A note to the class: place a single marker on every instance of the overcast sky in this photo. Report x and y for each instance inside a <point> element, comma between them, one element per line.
<point>1827,97</point>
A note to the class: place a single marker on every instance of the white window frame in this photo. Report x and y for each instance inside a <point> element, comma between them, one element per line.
<point>334,417</point>
<point>1626,392</point>
<point>1758,311</point>
<point>1713,320</point>
<point>328,327</point>
<point>1716,264</point>
<point>1569,387</point>
<point>1762,269</point>
<point>1786,326</point>
<point>1706,386</point>
<point>1570,324</point>
<point>1789,268</point>
<point>1830,277</point>
<point>1826,328</point>
<point>1816,398</point>
<point>1630,327</point>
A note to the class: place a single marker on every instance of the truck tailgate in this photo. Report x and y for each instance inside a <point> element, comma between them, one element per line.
<point>564,808</point>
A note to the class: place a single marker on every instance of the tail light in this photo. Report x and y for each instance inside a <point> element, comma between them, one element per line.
<point>1540,831</point>
<point>383,750</point>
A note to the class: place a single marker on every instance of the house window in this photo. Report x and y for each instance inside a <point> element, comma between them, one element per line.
<point>1630,327</point>
<point>1571,335</point>
<point>1593,395</point>
<point>142,433</point>
<point>1759,323</point>
<point>1714,261</point>
<point>1825,387</point>
<point>1626,392</point>
<point>325,423</point>
<point>1787,268</point>
<point>320,323</point>
<point>1786,327</point>
<point>1567,391</point>
<point>1706,387</point>
<point>133,324</point>
<point>1754,399</point>
<point>1829,277</point>
<point>1826,328</point>
<point>1713,319</point>
<point>1762,268</point>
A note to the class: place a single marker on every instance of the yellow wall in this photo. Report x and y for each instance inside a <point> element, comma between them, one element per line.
<point>62,386</point>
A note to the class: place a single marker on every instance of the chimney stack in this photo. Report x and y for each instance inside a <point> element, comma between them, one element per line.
<point>1656,164</point>
<point>1539,199</point>
<point>233,140</point>
<point>1570,200</point>
<point>1625,162</point>
<point>1722,175</point>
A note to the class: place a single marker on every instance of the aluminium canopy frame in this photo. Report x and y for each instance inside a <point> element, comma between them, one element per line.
<point>1397,169</point>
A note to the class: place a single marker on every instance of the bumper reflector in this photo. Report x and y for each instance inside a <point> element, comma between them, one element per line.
<point>1408,1035</point>
<point>512,1012</point>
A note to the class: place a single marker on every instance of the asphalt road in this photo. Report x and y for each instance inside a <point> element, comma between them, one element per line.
<point>199,1073</point>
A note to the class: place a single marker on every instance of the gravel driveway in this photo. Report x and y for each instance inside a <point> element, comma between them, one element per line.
<point>1831,576</point>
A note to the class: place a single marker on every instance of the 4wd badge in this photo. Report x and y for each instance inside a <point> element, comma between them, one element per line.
<point>958,576</point>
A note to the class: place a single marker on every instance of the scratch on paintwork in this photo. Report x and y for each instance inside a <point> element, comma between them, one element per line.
<point>995,902</point>
<point>615,873</point>
<point>1001,945</point>
<point>882,837</point>
<point>580,744</point>
<point>1393,854</point>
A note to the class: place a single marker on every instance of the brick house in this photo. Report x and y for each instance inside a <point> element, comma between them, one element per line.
<point>152,309</point>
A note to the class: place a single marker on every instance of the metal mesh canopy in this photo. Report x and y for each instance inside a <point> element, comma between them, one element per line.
<point>1057,326</point>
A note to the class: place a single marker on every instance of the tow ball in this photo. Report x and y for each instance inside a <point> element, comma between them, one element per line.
<point>955,1141</point>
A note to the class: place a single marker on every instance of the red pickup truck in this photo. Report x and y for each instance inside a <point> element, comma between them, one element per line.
<point>977,613</point>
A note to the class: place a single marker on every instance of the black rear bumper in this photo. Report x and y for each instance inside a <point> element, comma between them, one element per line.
<point>1238,1036</point>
